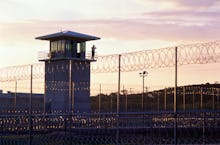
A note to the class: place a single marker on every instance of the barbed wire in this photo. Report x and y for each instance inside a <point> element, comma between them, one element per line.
<point>200,53</point>
<point>157,58</point>
<point>22,72</point>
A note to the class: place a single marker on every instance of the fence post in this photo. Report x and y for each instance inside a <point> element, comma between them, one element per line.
<point>193,98</point>
<point>213,99</point>
<point>1,139</point>
<point>217,104</point>
<point>100,91</point>
<point>30,107</point>
<point>111,97</point>
<point>165,99</point>
<point>175,100</point>
<point>44,97</point>
<point>184,98</point>
<point>119,82</point>
<point>158,101</point>
<point>201,98</point>
<point>203,114</point>
<point>126,102</point>
<point>15,97</point>
<point>118,97</point>
<point>70,88</point>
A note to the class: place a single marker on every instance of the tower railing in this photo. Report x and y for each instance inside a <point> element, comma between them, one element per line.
<point>90,57</point>
<point>44,55</point>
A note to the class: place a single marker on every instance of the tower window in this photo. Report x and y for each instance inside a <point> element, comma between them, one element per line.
<point>82,46</point>
<point>62,45</point>
<point>53,46</point>
<point>59,45</point>
<point>78,47</point>
<point>68,44</point>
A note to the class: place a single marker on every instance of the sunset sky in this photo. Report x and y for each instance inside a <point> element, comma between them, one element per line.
<point>123,25</point>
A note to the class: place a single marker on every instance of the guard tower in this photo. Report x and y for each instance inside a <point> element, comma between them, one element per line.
<point>67,72</point>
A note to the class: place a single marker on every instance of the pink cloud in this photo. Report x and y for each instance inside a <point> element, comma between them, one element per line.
<point>143,29</point>
<point>196,3</point>
<point>125,29</point>
<point>185,13</point>
<point>189,4</point>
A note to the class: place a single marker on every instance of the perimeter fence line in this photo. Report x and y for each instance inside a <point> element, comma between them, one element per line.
<point>200,53</point>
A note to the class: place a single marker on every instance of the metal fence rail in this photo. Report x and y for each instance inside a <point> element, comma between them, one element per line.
<point>100,128</point>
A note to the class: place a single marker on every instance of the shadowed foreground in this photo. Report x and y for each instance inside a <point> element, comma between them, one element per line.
<point>193,127</point>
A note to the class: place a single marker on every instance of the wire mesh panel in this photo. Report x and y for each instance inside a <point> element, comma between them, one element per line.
<point>133,128</point>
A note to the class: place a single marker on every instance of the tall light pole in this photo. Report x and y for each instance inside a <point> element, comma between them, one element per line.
<point>143,74</point>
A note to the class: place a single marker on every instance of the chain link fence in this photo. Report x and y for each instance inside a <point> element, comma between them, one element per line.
<point>108,128</point>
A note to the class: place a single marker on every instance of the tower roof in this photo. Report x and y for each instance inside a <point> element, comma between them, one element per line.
<point>68,34</point>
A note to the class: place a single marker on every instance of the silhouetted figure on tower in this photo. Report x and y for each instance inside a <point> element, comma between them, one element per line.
<point>93,51</point>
